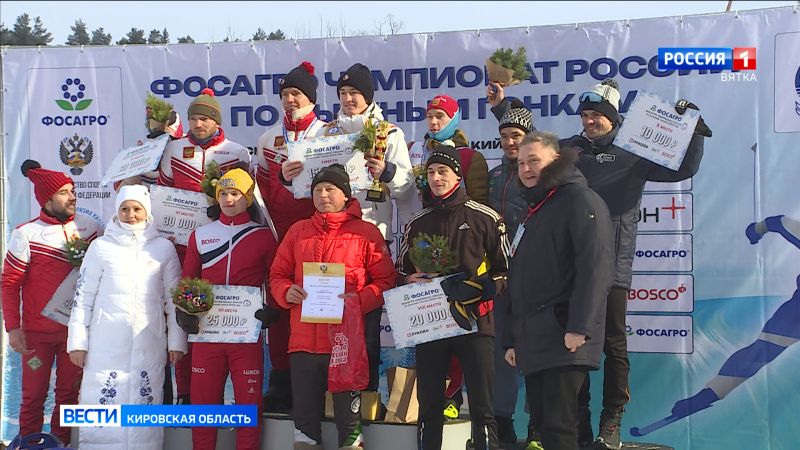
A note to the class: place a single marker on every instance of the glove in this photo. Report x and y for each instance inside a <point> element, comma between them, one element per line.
<point>702,129</point>
<point>189,323</point>
<point>751,233</point>
<point>267,316</point>
<point>463,294</point>
<point>213,212</point>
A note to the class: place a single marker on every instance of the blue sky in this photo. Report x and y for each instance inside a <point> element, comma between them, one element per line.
<point>213,21</point>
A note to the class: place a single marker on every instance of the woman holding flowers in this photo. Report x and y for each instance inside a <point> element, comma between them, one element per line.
<point>236,251</point>
<point>117,327</point>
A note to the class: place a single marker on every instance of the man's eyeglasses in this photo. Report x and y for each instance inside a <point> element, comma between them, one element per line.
<point>591,97</point>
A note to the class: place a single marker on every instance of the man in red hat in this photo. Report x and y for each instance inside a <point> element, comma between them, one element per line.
<point>35,267</point>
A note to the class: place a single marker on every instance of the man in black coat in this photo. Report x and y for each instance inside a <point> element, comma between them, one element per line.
<point>619,177</point>
<point>561,272</point>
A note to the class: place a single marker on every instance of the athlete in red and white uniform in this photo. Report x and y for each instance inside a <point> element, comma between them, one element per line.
<point>35,266</point>
<point>233,250</point>
<point>183,166</point>
<point>298,98</point>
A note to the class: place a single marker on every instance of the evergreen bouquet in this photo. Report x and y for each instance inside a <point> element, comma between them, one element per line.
<point>372,141</point>
<point>432,254</point>
<point>211,177</point>
<point>507,67</point>
<point>420,177</point>
<point>76,250</point>
<point>158,113</point>
<point>193,296</point>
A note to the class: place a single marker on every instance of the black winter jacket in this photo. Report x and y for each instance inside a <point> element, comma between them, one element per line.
<point>561,272</point>
<point>474,231</point>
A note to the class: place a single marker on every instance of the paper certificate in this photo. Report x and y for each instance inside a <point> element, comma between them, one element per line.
<point>419,313</point>
<point>232,318</point>
<point>656,132</point>
<point>60,305</point>
<point>136,160</point>
<point>324,283</point>
<point>320,152</point>
<point>178,212</point>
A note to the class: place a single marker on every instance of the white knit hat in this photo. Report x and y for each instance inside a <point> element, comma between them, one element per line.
<point>135,192</point>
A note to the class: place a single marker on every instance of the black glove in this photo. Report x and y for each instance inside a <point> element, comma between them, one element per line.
<point>267,316</point>
<point>463,294</point>
<point>213,212</point>
<point>189,323</point>
<point>702,129</point>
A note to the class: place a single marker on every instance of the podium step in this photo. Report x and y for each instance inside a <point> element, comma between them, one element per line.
<point>278,434</point>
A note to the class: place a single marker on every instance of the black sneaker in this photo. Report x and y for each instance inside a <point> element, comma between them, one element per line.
<point>534,439</point>
<point>505,430</point>
<point>608,438</point>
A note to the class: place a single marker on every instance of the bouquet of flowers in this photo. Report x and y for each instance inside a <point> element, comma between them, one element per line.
<point>211,177</point>
<point>76,250</point>
<point>432,254</point>
<point>193,296</point>
<point>506,67</point>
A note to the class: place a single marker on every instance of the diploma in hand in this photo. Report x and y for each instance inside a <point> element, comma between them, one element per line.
<point>324,283</point>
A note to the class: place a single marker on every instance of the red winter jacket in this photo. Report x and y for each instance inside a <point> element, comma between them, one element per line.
<point>341,237</point>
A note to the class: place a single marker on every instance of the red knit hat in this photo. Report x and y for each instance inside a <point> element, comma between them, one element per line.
<point>444,102</point>
<point>45,182</point>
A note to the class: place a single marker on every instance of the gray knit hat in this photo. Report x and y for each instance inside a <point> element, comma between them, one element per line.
<point>517,116</point>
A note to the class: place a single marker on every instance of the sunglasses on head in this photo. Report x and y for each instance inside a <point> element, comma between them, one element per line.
<point>591,97</point>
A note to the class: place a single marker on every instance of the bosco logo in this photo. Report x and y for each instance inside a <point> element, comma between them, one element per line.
<point>73,93</point>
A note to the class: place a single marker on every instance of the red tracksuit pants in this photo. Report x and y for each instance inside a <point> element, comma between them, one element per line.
<point>211,364</point>
<point>36,368</point>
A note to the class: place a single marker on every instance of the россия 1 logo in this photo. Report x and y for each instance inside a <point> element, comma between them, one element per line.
<point>73,92</point>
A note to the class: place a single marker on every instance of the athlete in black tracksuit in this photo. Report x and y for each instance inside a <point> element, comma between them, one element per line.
<point>478,235</point>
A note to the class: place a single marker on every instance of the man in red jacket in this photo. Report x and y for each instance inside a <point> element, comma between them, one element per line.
<point>233,250</point>
<point>35,267</point>
<point>334,234</point>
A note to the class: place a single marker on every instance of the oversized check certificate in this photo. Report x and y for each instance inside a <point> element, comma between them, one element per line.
<point>656,132</point>
<point>420,313</point>
<point>178,212</point>
<point>320,152</point>
<point>136,160</point>
<point>232,318</point>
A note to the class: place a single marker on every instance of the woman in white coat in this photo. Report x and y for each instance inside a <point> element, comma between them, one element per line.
<point>123,321</point>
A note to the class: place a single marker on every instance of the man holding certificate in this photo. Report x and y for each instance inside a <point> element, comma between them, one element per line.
<point>333,256</point>
<point>231,251</point>
<point>274,177</point>
<point>184,165</point>
<point>478,235</point>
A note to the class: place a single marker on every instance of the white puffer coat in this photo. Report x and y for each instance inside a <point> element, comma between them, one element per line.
<point>124,318</point>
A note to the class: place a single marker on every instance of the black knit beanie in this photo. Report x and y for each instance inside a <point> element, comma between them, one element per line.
<point>518,116</point>
<point>336,175</point>
<point>359,77</point>
<point>447,155</point>
<point>302,77</point>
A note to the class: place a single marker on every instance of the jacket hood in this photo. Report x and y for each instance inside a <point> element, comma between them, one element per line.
<point>560,172</point>
<point>331,221</point>
<point>130,237</point>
